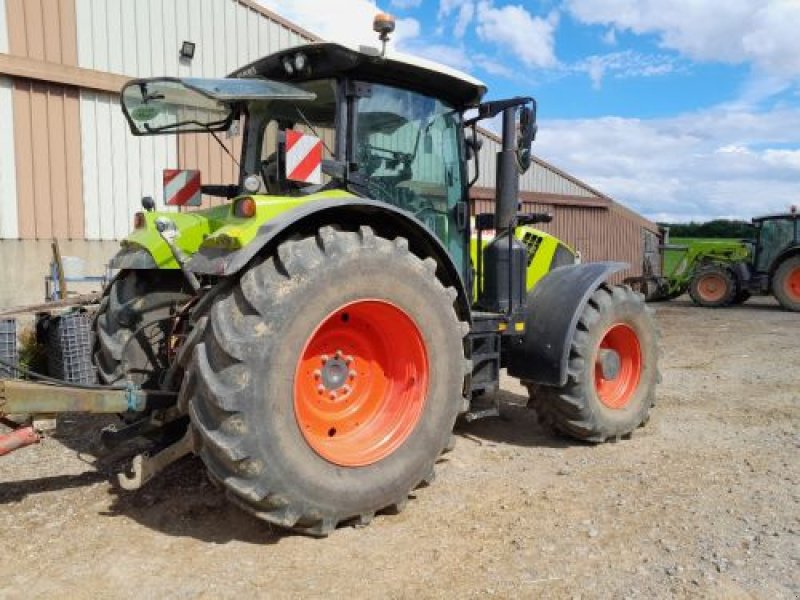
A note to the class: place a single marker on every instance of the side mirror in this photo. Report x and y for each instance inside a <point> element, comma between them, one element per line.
<point>527,133</point>
<point>474,145</point>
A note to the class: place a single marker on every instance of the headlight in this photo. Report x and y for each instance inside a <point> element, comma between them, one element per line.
<point>251,184</point>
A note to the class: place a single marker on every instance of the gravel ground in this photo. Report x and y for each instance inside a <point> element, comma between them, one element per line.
<point>703,502</point>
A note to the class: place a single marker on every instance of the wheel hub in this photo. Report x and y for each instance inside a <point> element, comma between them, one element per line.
<point>335,371</point>
<point>609,362</point>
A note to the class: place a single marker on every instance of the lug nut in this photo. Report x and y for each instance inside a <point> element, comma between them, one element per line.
<point>348,360</point>
<point>345,389</point>
<point>352,374</point>
<point>338,354</point>
<point>320,388</point>
<point>317,374</point>
<point>324,358</point>
<point>332,395</point>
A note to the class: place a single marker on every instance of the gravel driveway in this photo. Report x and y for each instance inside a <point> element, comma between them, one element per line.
<point>703,502</point>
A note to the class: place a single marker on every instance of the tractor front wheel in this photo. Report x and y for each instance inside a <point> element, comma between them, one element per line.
<point>713,286</point>
<point>328,381</point>
<point>786,284</point>
<point>612,371</point>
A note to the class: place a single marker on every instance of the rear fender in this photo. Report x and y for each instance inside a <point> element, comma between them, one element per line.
<point>552,312</point>
<point>351,213</point>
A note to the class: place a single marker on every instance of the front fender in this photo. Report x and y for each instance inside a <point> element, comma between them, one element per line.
<point>349,212</point>
<point>552,312</point>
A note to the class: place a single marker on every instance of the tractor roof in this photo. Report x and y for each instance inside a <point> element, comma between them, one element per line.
<point>784,216</point>
<point>327,59</point>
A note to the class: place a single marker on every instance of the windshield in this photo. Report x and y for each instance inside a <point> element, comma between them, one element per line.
<point>775,235</point>
<point>407,147</point>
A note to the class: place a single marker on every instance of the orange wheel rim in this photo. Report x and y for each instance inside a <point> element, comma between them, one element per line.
<point>361,383</point>
<point>793,284</point>
<point>712,287</point>
<point>618,366</point>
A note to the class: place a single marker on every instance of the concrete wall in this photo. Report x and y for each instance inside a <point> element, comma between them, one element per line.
<point>24,264</point>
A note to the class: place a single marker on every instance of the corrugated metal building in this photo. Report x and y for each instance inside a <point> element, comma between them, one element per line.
<point>70,170</point>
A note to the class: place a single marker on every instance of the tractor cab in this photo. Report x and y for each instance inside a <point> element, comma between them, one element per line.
<point>324,118</point>
<point>776,234</point>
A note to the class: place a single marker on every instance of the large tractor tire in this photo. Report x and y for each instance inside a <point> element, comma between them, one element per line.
<point>132,325</point>
<point>612,371</point>
<point>786,284</point>
<point>713,286</point>
<point>328,381</point>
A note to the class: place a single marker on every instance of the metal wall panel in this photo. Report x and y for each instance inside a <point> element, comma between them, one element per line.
<point>142,38</point>
<point>3,28</point>
<point>47,160</point>
<point>541,177</point>
<point>118,168</point>
<point>42,29</point>
<point>8,181</point>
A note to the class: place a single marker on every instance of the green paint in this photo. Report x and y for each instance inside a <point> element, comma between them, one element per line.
<point>541,249</point>
<point>215,227</point>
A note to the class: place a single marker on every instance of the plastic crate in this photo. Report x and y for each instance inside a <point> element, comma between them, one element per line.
<point>69,348</point>
<point>8,347</point>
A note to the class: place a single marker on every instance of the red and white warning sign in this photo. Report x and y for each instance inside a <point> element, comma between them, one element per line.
<point>303,157</point>
<point>182,187</point>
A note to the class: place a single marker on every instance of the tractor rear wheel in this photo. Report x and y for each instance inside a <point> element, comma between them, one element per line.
<point>713,286</point>
<point>132,325</point>
<point>328,381</point>
<point>612,371</point>
<point>786,284</point>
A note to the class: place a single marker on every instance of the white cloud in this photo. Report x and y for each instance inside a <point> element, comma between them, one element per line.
<point>623,65</point>
<point>454,56</point>
<point>348,21</point>
<point>513,28</point>
<point>762,32</point>
<point>406,4</point>
<point>610,37</point>
<point>714,163</point>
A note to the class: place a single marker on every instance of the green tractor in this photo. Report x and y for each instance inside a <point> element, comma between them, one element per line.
<point>316,342</point>
<point>722,273</point>
<point>770,265</point>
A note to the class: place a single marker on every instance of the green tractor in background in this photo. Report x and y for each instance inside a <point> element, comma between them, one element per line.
<point>723,273</point>
<point>322,338</point>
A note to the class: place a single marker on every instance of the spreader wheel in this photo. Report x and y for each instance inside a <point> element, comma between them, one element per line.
<point>328,381</point>
<point>612,371</point>
<point>786,284</point>
<point>713,286</point>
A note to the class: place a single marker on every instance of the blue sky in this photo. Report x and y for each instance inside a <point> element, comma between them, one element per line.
<point>681,109</point>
